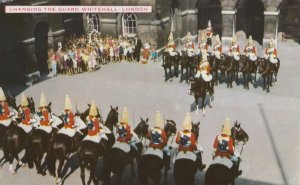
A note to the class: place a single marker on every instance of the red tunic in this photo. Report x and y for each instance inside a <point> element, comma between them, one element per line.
<point>160,145</point>
<point>274,52</point>
<point>45,113</point>
<point>69,124</point>
<point>96,129</point>
<point>219,48</point>
<point>191,139</point>
<point>236,50</point>
<point>253,49</point>
<point>225,143</point>
<point>26,119</point>
<point>5,115</point>
<point>124,132</point>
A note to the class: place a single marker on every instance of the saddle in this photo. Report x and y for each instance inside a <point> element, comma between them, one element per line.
<point>26,128</point>
<point>154,151</point>
<point>185,155</point>
<point>122,146</point>
<point>6,122</point>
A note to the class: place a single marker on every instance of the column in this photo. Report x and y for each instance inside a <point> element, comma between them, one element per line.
<point>270,26</point>
<point>228,25</point>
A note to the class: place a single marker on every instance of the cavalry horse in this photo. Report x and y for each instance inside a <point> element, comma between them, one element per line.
<point>199,89</point>
<point>15,140</point>
<point>216,65</point>
<point>89,151</point>
<point>168,62</point>
<point>185,63</point>
<point>265,69</point>
<point>232,67</point>
<point>220,172</point>
<point>39,140</point>
<point>117,159</point>
<point>156,159</point>
<point>7,124</point>
<point>248,67</point>
<point>185,168</point>
<point>61,147</point>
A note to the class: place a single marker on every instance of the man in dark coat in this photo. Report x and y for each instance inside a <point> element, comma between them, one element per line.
<point>138,46</point>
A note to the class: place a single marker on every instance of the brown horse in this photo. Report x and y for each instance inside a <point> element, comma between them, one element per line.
<point>117,159</point>
<point>89,152</point>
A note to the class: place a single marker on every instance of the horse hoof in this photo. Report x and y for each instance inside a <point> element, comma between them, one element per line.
<point>13,172</point>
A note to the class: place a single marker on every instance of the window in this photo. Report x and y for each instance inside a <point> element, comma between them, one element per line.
<point>93,22</point>
<point>129,24</point>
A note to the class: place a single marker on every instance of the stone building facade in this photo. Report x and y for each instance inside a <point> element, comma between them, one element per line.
<point>25,38</point>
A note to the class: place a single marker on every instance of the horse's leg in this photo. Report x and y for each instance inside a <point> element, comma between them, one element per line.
<point>269,80</point>
<point>197,103</point>
<point>156,177</point>
<point>59,170</point>
<point>37,161</point>
<point>11,160</point>
<point>82,174</point>
<point>166,74</point>
<point>203,105</point>
<point>92,173</point>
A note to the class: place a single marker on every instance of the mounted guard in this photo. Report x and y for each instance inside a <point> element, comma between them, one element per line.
<point>209,33</point>
<point>250,50</point>
<point>189,46</point>
<point>171,46</point>
<point>224,152</point>
<point>271,53</point>
<point>72,123</point>
<point>24,113</point>
<point>95,131</point>
<point>188,146</point>
<point>43,116</point>
<point>5,113</point>
<point>234,50</point>
<point>217,49</point>
<point>202,46</point>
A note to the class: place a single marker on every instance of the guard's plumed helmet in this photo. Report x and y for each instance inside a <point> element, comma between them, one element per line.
<point>209,24</point>
<point>125,116</point>
<point>68,105</point>
<point>158,120</point>
<point>24,101</point>
<point>2,95</point>
<point>271,44</point>
<point>226,127</point>
<point>233,39</point>
<point>187,123</point>
<point>188,37</point>
<point>250,40</point>
<point>43,101</point>
<point>93,109</point>
<point>170,39</point>
<point>217,39</point>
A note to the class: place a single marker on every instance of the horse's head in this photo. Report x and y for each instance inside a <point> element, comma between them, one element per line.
<point>48,107</point>
<point>31,104</point>
<point>11,100</point>
<point>142,128</point>
<point>238,134</point>
<point>112,117</point>
<point>170,128</point>
<point>196,129</point>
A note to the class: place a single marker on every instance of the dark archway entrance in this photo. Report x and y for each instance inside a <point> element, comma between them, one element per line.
<point>250,18</point>
<point>210,10</point>
<point>41,46</point>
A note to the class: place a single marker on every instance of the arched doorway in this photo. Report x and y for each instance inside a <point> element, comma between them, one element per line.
<point>41,46</point>
<point>250,18</point>
<point>210,10</point>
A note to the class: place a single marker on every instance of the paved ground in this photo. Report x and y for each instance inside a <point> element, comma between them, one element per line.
<point>271,157</point>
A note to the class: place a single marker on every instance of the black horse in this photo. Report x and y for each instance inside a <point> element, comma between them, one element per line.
<point>11,101</point>
<point>199,89</point>
<point>151,165</point>
<point>89,151</point>
<point>265,69</point>
<point>39,141</point>
<point>60,148</point>
<point>117,159</point>
<point>219,174</point>
<point>216,65</point>
<point>15,140</point>
<point>246,70</point>
<point>185,63</point>
<point>232,68</point>
<point>168,62</point>
<point>185,169</point>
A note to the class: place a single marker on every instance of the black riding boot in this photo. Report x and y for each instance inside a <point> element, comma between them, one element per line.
<point>200,164</point>
<point>235,169</point>
<point>167,160</point>
<point>27,156</point>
